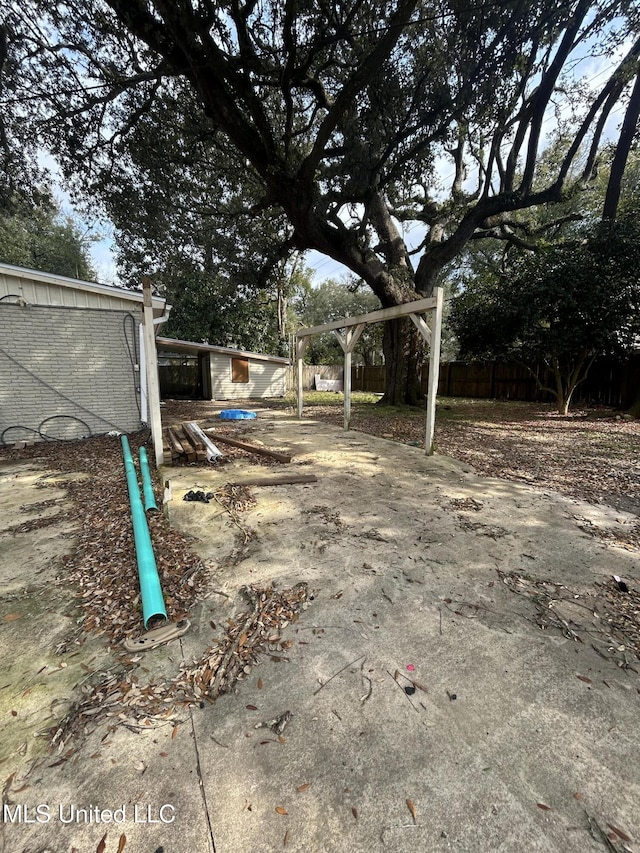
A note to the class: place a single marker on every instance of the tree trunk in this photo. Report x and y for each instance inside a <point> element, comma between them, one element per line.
<point>562,395</point>
<point>404,355</point>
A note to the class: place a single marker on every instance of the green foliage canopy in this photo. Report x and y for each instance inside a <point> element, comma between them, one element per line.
<point>332,300</point>
<point>563,307</point>
<point>40,237</point>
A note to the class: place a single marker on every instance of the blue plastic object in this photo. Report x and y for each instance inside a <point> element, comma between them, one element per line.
<point>236,415</point>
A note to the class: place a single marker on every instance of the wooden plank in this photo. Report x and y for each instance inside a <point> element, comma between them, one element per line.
<point>292,479</point>
<point>174,442</point>
<point>188,449</point>
<point>245,445</point>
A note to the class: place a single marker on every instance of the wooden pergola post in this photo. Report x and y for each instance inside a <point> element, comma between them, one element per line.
<point>434,370</point>
<point>348,342</point>
<point>151,363</point>
<point>301,345</point>
<point>353,328</point>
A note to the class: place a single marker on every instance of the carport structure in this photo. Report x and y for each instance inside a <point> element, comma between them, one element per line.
<point>348,331</point>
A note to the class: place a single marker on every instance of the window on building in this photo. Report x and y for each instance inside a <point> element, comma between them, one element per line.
<point>239,369</point>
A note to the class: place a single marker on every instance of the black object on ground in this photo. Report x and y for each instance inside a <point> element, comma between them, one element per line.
<point>198,496</point>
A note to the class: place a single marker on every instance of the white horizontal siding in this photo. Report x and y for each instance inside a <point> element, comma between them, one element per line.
<point>266,379</point>
<point>36,292</point>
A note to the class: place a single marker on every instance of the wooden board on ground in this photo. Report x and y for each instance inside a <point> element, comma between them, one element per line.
<point>286,480</point>
<point>245,445</point>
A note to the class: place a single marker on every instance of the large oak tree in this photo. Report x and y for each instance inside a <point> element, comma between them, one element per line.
<point>342,114</point>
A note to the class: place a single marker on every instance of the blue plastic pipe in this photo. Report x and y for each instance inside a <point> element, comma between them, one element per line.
<point>149,498</point>
<point>150,589</point>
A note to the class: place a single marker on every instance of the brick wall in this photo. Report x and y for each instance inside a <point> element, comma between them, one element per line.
<point>65,364</point>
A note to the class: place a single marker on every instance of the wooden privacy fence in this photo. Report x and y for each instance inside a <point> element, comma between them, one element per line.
<point>179,378</point>
<point>610,382</point>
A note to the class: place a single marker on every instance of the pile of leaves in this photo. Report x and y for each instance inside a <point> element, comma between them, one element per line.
<point>607,616</point>
<point>102,567</point>
<point>247,637</point>
<point>122,699</point>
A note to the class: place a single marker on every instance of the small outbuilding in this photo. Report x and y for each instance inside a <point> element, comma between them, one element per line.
<point>71,356</point>
<point>222,373</point>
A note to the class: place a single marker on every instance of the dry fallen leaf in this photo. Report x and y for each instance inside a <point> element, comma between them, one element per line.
<point>280,810</point>
<point>578,795</point>
<point>585,679</point>
<point>102,844</point>
<point>11,617</point>
<point>122,843</point>
<point>286,839</point>
<point>174,732</point>
<point>412,809</point>
<point>354,812</point>
<point>544,807</point>
<point>304,787</point>
<point>251,708</point>
<point>259,684</point>
<point>620,833</point>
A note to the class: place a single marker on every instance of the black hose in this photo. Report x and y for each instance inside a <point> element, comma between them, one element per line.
<point>66,417</point>
<point>17,426</point>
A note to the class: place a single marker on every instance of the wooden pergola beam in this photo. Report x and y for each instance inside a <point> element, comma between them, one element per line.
<point>420,306</point>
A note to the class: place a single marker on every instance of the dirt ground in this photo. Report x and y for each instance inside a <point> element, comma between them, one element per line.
<point>593,454</point>
<point>403,655</point>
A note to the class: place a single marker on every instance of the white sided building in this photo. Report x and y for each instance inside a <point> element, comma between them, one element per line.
<point>71,356</point>
<point>225,373</point>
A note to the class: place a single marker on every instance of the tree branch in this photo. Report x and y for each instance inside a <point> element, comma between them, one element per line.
<point>363,73</point>
<point>627,133</point>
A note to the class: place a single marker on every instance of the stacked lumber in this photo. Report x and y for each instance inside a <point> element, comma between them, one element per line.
<point>186,442</point>
<point>183,445</point>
